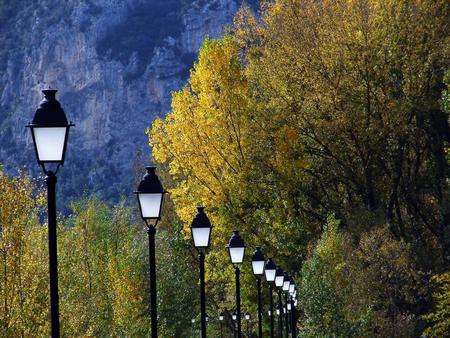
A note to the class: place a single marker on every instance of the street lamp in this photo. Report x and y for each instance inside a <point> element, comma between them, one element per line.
<point>294,317</point>
<point>221,318</point>
<point>292,286</point>
<point>291,307</point>
<point>201,236</point>
<point>247,319</point>
<point>193,325</point>
<point>50,132</point>
<point>150,195</point>
<point>234,316</point>
<point>236,249</point>
<point>286,282</point>
<point>270,270</point>
<point>258,262</point>
<point>279,282</point>
<point>285,288</point>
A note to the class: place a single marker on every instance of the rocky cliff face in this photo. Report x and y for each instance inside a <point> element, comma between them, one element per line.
<point>115,63</point>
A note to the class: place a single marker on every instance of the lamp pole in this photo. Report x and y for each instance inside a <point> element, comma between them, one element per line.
<point>150,195</point>
<point>285,288</point>
<point>221,317</point>
<point>247,318</point>
<point>236,249</point>
<point>270,272</point>
<point>238,301</point>
<point>50,181</point>
<point>201,257</point>
<point>292,306</point>
<point>151,231</point>
<point>234,317</point>
<point>280,315</point>
<point>258,262</point>
<point>293,319</point>
<point>50,132</point>
<point>201,236</point>
<point>193,326</point>
<point>258,286</point>
<point>279,283</point>
<point>272,334</point>
<point>286,314</point>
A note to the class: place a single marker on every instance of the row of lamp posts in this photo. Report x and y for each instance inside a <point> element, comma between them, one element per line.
<point>50,130</point>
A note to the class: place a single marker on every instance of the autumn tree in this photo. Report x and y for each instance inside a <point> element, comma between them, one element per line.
<point>316,108</point>
<point>23,259</point>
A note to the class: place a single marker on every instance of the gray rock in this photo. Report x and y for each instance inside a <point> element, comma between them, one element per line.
<point>111,101</point>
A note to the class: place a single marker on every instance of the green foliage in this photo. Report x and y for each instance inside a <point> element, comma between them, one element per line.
<point>178,296</point>
<point>102,272</point>
<point>312,109</point>
<point>23,259</point>
<point>440,317</point>
<point>326,290</point>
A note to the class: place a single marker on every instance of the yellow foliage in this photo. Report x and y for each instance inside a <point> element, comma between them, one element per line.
<point>440,317</point>
<point>23,259</point>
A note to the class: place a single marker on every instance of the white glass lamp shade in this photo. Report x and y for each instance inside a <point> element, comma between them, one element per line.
<point>236,248</point>
<point>236,255</point>
<point>269,313</point>
<point>234,316</point>
<point>193,321</point>
<point>201,237</point>
<point>50,143</point>
<point>201,229</point>
<point>258,267</point>
<point>291,288</point>
<point>278,312</point>
<point>247,317</point>
<point>50,130</point>
<point>270,270</point>
<point>221,317</point>
<point>279,281</point>
<point>286,285</point>
<point>258,262</point>
<point>150,204</point>
<point>270,275</point>
<point>150,194</point>
<point>289,306</point>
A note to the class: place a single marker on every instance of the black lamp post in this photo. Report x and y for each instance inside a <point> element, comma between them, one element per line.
<point>292,307</point>
<point>201,235</point>
<point>258,262</point>
<point>236,249</point>
<point>150,194</point>
<point>285,288</point>
<point>50,131</point>
<point>289,312</point>
<point>247,319</point>
<point>279,281</point>
<point>270,270</point>
<point>221,318</point>
<point>193,326</point>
